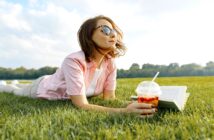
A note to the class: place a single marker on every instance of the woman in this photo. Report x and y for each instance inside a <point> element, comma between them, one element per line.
<point>89,72</point>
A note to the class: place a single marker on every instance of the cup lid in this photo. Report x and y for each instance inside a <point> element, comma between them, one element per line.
<point>148,88</point>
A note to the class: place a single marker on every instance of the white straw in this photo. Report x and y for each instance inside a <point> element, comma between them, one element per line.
<point>156,75</point>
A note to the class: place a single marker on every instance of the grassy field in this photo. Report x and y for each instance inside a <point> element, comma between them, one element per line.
<point>25,118</point>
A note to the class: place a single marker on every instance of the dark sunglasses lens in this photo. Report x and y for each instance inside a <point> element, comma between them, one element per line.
<point>106,30</point>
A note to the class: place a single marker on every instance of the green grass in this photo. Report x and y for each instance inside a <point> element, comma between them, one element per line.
<point>25,118</point>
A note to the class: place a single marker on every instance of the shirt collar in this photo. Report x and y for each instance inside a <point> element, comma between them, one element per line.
<point>93,65</point>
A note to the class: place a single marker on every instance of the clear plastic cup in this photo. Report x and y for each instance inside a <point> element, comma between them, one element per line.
<point>148,92</point>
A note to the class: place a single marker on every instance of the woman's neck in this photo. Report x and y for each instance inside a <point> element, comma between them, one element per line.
<point>98,58</point>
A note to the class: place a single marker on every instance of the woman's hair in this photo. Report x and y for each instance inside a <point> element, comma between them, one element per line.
<point>88,45</point>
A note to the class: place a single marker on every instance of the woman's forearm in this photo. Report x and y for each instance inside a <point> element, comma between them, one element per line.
<point>81,101</point>
<point>103,109</point>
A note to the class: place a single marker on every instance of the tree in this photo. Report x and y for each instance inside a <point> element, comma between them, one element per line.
<point>191,69</point>
<point>209,68</point>
<point>173,66</point>
<point>134,66</point>
<point>210,65</point>
<point>147,66</point>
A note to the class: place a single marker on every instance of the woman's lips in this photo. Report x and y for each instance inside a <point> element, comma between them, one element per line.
<point>112,41</point>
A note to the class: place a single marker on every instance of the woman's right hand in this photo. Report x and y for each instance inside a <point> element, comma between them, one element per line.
<point>141,109</point>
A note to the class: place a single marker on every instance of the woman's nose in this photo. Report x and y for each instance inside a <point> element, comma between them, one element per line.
<point>113,34</point>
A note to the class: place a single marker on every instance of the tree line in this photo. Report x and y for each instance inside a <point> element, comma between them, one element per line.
<point>146,70</point>
<point>23,73</point>
<point>171,70</point>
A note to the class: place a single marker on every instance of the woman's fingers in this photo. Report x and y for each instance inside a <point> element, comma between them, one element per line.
<point>146,111</point>
<point>143,109</point>
<point>140,105</point>
<point>144,105</point>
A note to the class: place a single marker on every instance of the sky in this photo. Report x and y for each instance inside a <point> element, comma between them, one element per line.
<point>38,33</point>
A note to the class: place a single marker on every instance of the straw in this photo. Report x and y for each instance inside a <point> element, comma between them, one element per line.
<point>156,75</point>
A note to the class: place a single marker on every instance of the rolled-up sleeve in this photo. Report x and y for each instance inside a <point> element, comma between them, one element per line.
<point>110,83</point>
<point>74,77</point>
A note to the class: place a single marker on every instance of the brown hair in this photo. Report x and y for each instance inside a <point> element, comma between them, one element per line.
<point>88,45</point>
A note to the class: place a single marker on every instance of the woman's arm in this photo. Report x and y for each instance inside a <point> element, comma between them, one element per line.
<point>81,102</point>
<point>134,107</point>
<point>109,95</point>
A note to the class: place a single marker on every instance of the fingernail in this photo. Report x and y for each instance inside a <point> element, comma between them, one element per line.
<point>153,106</point>
<point>154,110</point>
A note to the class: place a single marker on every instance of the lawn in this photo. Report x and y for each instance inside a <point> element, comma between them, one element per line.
<point>25,118</point>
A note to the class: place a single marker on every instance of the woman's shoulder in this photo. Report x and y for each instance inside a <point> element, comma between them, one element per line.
<point>76,55</point>
<point>75,58</point>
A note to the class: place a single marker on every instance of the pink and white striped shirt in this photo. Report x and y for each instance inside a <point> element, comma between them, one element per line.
<point>74,76</point>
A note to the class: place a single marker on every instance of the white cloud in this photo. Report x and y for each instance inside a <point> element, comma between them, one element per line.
<point>11,17</point>
<point>52,37</point>
<point>41,33</point>
<point>184,36</point>
<point>32,2</point>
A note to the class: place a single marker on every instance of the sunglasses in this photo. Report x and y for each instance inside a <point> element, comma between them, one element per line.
<point>107,30</point>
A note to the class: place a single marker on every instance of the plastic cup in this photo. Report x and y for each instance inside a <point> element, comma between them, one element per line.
<point>148,100</point>
<point>148,92</point>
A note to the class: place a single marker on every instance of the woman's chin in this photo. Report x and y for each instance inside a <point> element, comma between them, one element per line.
<point>109,48</point>
<point>113,47</point>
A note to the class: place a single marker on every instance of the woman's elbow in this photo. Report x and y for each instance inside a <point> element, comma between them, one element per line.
<point>81,105</point>
<point>79,102</point>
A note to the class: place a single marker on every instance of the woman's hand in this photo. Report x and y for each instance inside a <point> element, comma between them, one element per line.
<point>141,109</point>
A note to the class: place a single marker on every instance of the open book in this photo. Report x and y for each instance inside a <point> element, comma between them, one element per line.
<point>173,97</point>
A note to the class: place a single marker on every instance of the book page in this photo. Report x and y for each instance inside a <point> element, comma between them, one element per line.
<point>173,94</point>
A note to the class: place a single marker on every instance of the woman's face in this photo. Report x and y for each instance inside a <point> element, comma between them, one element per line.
<point>105,41</point>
